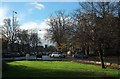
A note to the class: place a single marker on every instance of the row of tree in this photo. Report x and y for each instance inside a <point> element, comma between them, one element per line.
<point>93,27</point>
<point>16,39</point>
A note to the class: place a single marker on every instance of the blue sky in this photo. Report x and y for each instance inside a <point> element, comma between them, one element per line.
<point>33,15</point>
<point>28,11</point>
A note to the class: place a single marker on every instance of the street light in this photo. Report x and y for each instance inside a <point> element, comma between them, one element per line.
<point>14,20</point>
<point>13,27</point>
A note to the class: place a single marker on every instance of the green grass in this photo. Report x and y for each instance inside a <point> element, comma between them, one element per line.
<point>55,69</point>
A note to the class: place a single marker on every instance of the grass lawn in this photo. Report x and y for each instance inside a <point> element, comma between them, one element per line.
<point>55,69</point>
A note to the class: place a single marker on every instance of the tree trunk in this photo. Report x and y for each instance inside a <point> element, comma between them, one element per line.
<point>12,47</point>
<point>23,48</point>
<point>118,47</point>
<point>87,50</point>
<point>101,56</point>
<point>83,50</point>
<point>28,48</point>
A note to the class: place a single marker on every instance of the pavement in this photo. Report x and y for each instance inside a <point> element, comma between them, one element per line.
<point>47,58</point>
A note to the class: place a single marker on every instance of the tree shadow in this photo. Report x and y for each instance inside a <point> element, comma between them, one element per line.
<point>25,72</point>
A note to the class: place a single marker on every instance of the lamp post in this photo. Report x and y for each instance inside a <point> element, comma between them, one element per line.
<point>14,22</point>
<point>14,18</point>
<point>13,29</point>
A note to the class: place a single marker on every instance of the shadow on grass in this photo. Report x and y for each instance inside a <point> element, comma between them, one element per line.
<point>25,72</point>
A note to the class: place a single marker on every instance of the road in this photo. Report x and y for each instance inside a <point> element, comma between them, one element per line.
<point>110,60</point>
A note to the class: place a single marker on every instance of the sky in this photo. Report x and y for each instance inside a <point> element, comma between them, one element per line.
<point>33,15</point>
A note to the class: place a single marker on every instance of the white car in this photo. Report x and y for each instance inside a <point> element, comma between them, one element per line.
<point>57,54</point>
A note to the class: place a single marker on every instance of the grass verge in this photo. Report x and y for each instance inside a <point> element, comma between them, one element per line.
<point>55,69</point>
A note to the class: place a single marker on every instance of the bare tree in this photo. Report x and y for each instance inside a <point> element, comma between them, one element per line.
<point>57,31</point>
<point>104,24</point>
<point>35,41</point>
<point>9,31</point>
<point>24,39</point>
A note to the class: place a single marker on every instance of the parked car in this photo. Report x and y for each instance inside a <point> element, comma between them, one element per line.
<point>80,55</point>
<point>57,54</point>
<point>7,55</point>
<point>32,53</point>
<point>16,54</point>
<point>22,54</point>
<point>62,55</point>
<point>45,53</point>
<point>39,55</point>
<point>11,54</point>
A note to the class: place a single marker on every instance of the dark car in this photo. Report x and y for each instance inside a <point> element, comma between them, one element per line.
<point>45,53</point>
<point>80,55</point>
<point>11,54</point>
<point>22,54</point>
<point>16,54</point>
<point>7,55</point>
<point>32,53</point>
<point>39,55</point>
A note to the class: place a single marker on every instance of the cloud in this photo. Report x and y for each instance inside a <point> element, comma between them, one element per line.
<point>39,27</point>
<point>38,5</point>
<point>43,26</point>
<point>29,26</point>
<point>3,14</point>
